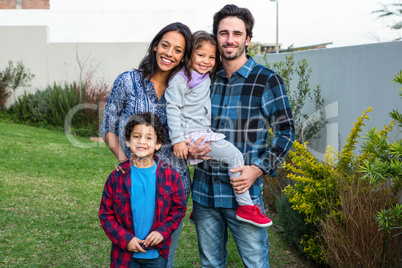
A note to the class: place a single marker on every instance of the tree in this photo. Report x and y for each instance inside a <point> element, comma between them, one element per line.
<point>307,126</point>
<point>394,10</point>
<point>18,76</point>
<point>384,164</point>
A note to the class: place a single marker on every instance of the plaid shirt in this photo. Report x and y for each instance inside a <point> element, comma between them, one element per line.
<point>244,107</point>
<point>116,216</point>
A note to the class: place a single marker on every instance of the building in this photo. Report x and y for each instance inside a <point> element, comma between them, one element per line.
<point>24,4</point>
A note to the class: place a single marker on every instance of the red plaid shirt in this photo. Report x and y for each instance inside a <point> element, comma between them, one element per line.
<point>116,216</point>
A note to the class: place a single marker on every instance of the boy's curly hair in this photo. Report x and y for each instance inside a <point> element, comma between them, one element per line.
<point>148,119</point>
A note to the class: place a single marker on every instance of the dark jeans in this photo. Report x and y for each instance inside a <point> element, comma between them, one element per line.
<point>159,262</point>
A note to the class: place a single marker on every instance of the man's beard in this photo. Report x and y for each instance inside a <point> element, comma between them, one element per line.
<point>235,54</point>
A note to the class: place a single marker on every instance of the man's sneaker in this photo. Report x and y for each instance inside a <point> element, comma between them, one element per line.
<point>191,219</point>
<point>253,215</point>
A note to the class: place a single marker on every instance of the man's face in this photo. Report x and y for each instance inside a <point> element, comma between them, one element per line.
<point>232,38</point>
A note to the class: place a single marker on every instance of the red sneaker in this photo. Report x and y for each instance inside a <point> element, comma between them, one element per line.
<point>191,219</point>
<point>253,215</point>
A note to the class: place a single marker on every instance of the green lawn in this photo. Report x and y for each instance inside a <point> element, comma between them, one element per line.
<point>49,199</point>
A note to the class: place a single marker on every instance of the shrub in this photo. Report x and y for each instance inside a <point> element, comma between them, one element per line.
<point>38,105</point>
<point>294,222</point>
<point>273,187</point>
<point>315,184</point>
<point>352,239</point>
<point>4,94</point>
<point>95,93</point>
<point>341,203</point>
<point>61,101</point>
<point>384,165</point>
<point>307,127</point>
<point>50,106</point>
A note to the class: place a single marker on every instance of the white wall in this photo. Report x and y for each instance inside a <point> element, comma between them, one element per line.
<point>56,62</point>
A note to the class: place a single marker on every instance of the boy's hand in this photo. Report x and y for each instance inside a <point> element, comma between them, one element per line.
<point>154,238</point>
<point>134,245</point>
<point>180,150</point>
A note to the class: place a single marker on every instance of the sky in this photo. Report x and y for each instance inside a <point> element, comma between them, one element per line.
<point>301,22</point>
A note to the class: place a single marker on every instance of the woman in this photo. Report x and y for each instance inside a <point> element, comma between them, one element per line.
<point>142,90</point>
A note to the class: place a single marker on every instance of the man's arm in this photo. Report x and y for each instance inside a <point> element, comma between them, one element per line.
<point>276,109</point>
<point>249,174</point>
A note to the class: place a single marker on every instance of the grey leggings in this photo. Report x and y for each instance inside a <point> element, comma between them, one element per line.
<point>227,153</point>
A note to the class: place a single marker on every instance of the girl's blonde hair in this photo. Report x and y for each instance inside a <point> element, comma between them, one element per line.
<point>197,39</point>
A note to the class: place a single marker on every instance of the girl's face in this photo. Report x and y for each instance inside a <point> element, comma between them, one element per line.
<point>203,59</point>
<point>170,51</point>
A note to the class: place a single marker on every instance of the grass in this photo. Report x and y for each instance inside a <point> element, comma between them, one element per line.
<point>49,202</point>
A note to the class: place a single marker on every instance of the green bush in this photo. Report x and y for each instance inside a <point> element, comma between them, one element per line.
<point>51,106</point>
<point>383,164</point>
<point>61,101</point>
<point>352,238</point>
<point>38,105</point>
<point>293,224</point>
<point>337,197</point>
<point>4,93</point>
<point>307,126</point>
<point>21,109</point>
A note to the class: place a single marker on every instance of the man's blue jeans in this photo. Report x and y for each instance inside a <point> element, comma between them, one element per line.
<point>211,225</point>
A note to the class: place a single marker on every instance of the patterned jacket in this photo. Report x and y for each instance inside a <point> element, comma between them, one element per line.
<point>116,216</point>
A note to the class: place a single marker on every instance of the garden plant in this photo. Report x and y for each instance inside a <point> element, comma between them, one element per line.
<point>307,126</point>
<point>351,200</point>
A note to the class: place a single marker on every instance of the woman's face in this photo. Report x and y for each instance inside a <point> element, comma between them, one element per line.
<point>170,51</point>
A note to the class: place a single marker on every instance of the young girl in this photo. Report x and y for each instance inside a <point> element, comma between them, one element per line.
<point>189,117</point>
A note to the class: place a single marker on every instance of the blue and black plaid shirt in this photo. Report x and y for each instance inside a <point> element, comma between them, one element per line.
<point>244,107</point>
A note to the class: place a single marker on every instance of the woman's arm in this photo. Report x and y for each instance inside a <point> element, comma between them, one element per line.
<point>114,107</point>
<point>112,141</point>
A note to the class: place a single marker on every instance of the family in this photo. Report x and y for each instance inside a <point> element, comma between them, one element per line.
<point>195,99</point>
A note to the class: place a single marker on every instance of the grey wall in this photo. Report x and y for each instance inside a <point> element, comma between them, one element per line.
<point>352,79</point>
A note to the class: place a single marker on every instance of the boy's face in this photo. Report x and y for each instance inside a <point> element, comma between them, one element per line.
<point>143,142</point>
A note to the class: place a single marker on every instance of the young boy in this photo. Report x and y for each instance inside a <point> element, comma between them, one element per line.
<point>140,209</point>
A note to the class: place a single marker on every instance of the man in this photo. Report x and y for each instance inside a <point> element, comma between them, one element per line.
<point>247,99</point>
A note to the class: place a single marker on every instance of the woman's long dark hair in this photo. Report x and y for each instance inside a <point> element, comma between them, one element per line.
<point>149,65</point>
